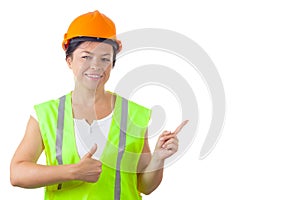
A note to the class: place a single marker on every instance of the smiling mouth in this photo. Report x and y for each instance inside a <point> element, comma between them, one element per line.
<point>94,76</point>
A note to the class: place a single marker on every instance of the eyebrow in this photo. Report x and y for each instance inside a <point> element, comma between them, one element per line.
<point>88,52</point>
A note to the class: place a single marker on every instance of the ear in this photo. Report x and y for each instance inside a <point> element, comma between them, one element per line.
<point>69,61</point>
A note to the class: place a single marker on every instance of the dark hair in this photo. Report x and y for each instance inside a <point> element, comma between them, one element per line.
<point>73,46</point>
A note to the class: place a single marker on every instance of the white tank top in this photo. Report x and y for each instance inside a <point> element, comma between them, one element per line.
<point>87,135</point>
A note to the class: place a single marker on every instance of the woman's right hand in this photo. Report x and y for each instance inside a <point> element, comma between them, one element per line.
<point>26,173</point>
<point>88,169</point>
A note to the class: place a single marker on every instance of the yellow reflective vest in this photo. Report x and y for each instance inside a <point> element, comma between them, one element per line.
<point>118,179</point>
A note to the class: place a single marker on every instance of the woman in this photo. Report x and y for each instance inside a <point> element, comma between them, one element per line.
<point>95,141</point>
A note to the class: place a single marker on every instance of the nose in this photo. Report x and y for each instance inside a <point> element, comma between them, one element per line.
<point>98,67</point>
<point>94,67</point>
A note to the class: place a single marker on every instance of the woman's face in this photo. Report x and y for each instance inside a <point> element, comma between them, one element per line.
<point>91,64</point>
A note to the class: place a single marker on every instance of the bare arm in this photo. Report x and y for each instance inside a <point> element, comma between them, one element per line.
<point>152,166</point>
<point>151,171</point>
<point>26,173</point>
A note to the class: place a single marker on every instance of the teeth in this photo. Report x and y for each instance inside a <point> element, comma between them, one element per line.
<point>94,76</point>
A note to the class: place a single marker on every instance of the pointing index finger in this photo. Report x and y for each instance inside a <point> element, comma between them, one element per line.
<point>178,129</point>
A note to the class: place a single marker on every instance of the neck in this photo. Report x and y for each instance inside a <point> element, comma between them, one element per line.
<point>88,97</point>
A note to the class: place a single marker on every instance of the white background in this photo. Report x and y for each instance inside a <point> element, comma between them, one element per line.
<point>255,47</point>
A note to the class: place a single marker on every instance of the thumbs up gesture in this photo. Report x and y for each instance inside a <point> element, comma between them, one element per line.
<point>88,169</point>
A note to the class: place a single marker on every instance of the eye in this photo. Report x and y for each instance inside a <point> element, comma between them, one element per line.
<point>86,57</point>
<point>105,59</point>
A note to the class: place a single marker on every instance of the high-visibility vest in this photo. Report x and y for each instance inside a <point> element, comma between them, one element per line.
<point>118,179</point>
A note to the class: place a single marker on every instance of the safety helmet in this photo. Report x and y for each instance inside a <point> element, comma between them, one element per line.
<point>92,26</point>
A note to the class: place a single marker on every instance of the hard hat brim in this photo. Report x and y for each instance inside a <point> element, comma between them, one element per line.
<point>115,44</point>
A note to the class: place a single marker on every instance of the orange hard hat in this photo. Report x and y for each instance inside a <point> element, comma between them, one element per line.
<point>92,26</point>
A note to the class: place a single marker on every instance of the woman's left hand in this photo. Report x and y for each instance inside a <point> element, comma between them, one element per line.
<point>167,143</point>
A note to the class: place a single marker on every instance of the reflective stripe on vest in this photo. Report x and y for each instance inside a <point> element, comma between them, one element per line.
<point>122,141</point>
<point>59,132</point>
